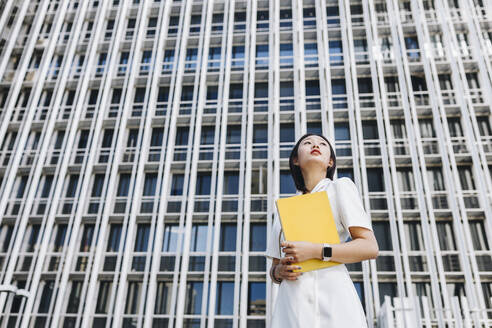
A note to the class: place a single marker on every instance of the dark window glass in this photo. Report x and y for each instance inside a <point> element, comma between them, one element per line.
<point>257,237</point>
<point>212,92</point>
<point>342,131</point>
<point>370,130</point>
<point>287,185</point>
<point>182,135</point>
<point>22,186</point>
<point>225,297</point>
<point>132,138</point>
<point>84,137</point>
<point>312,88</point>
<point>194,291</point>
<point>287,89</point>
<point>107,138</point>
<point>86,240</point>
<point>124,185</point>
<point>228,237</point>
<point>383,235</point>
<point>233,134</point>
<point>260,133</point>
<point>231,183</point>
<point>287,132</point>
<point>44,305</point>
<point>236,91</point>
<point>48,181</point>
<point>256,298</point>
<point>203,183</point>
<point>157,135</point>
<point>114,238</point>
<point>187,93</point>
<point>98,185</point>
<point>150,184</point>
<point>103,297</point>
<point>261,90</point>
<point>72,185</point>
<point>207,135</point>
<point>163,95</point>
<point>177,184</point>
<point>74,298</point>
<point>142,238</point>
<point>338,87</point>
<point>375,179</point>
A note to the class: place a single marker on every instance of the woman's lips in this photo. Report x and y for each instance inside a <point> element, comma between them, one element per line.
<point>316,151</point>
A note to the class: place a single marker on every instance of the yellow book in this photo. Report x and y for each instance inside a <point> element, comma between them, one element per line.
<point>309,217</point>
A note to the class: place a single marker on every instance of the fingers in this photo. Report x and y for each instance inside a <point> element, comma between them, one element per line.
<point>286,260</point>
<point>287,273</point>
<point>286,244</point>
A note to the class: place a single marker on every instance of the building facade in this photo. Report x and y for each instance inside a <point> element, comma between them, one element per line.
<point>143,144</point>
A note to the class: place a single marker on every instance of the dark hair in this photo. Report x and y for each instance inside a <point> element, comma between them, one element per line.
<point>295,170</point>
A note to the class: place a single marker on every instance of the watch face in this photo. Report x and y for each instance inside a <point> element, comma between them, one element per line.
<point>326,251</point>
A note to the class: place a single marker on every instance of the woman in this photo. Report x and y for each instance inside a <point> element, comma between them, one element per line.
<point>324,297</point>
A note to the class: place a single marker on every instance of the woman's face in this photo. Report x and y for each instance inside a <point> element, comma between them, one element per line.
<point>313,151</point>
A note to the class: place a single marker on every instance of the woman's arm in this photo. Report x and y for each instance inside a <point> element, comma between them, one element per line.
<point>363,246</point>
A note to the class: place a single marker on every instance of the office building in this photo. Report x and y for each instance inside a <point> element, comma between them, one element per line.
<point>143,144</point>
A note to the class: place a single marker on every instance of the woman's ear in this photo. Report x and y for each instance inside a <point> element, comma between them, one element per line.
<point>295,162</point>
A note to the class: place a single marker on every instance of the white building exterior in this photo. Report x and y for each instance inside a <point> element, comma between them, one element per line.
<point>143,144</point>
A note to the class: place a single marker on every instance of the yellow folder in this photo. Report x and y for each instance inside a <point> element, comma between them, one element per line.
<point>309,217</point>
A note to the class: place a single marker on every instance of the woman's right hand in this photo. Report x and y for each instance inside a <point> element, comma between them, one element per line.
<point>284,268</point>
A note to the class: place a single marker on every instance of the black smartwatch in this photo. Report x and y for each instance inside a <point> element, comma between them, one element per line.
<point>327,252</point>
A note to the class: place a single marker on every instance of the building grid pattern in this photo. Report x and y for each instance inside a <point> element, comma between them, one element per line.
<point>143,143</point>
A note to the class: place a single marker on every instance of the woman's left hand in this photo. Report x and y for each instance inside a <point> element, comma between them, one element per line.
<point>300,250</point>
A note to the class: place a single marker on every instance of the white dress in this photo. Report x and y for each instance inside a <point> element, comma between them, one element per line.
<point>324,297</point>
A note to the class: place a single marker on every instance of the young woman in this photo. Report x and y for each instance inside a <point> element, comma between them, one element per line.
<point>324,297</point>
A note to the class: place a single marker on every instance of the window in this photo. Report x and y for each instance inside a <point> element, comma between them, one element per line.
<point>375,179</point>
<point>194,291</point>
<point>225,297</point>
<point>287,132</point>
<point>386,289</point>
<point>231,183</point>
<point>114,238</point>
<point>97,185</point>
<point>163,297</point>
<point>150,184</point>
<point>287,185</point>
<point>83,138</point>
<point>86,240</point>
<point>157,135</point>
<point>207,135</point>
<point>312,88</point>
<point>48,287</point>
<point>103,296</point>
<point>446,235</point>
<point>107,138</point>
<point>287,89</point>
<point>261,90</point>
<point>48,181</point>
<point>370,130</point>
<point>228,234</point>
<point>203,183</point>
<point>74,298</point>
<point>398,129</point>
<point>436,179</point>
<point>181,136</point>
<point>198,237</point>
<point>413,235</point>
<point>177,185</point>
<point>466,178</point>
<point>142,238</point>
<point>257,237</point>
<point>484,126</point>
<point>233,134</point>
<point>260,133</point>
<point>383,235</point>
<point>124,185</point>
<point>338,87</point>
<point>21,185</point>
<point>405,179</point>
<point>61,232</point>
<point>171,233</point>
<point>133,297</point>
<point>479,239</point>
<point>236,91</point>
<point>256,298</point>
<point>342,131</point>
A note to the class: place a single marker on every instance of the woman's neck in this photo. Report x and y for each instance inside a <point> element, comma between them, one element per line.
<point>312,178</point>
